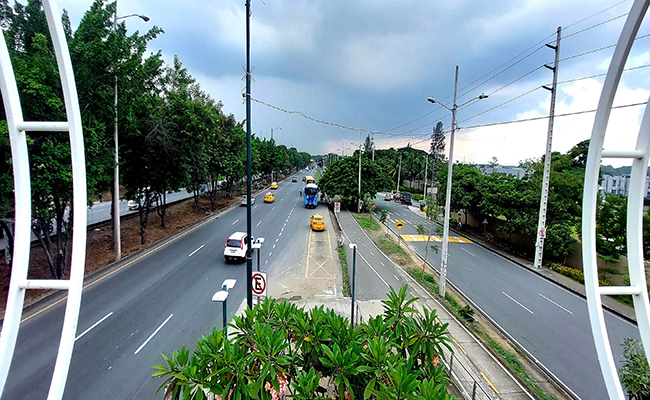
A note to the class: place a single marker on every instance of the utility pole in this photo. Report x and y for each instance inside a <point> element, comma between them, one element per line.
<point>426,168</point>
<point>399,172</point>
<point>541,225</point>
<point>445,237</point>
<point>359,206</point>
<point>373,147</point>
<point>115,201</point>
<point>249,258</point>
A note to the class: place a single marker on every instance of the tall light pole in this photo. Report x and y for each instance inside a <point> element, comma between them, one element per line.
<point>426,169</point>
<point>115,201</point>
<point>373,147</point>
<point>445,237</point>
<point>359,202</point>
<point>249,249</point>
<point>278,128</point>
<point>399,173</point>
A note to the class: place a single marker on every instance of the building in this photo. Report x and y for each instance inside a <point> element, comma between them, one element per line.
<point>517,172</point>
<point>620,185</point>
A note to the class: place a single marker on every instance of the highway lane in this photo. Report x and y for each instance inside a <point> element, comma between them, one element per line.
<point>549,321</point>
<point>155,304</point>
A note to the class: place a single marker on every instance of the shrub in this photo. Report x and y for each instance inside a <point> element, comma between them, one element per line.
<point>279,347</point>
<point>573,273</point>
<point>635,373</point>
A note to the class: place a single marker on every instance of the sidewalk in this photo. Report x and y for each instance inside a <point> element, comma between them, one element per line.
<point>578,288</point>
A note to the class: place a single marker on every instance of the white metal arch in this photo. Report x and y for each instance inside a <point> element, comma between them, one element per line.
<point>17,135</point>
<point>639,157</point>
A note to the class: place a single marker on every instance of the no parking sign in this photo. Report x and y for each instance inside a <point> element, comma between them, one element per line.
<point>259,283</point>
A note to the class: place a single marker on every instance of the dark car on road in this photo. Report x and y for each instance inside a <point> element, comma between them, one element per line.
<point>405,198</point>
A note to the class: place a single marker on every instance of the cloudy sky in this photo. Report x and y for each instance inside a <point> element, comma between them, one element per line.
<point>370,65</point>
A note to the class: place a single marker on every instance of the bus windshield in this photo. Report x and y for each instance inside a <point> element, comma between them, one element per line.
<point>311,191</point>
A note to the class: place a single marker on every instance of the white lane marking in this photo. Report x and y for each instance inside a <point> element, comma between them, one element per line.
<point>556,304</point>
<point>280,233</point>
<point>258,224</point>
<point>521,305</point>
<point>274,245</point>
<point>372,253</point>
<point>235,222</point>
<point>254,207</point>
<point>192,253</point>
<point>396,277</point>
<point>276,240</point>
<point>94,325</point>
<point>270,254</point>
<point>374,270</point>
<point>153,334</point>
<point>467,252</point>
<point>273,208</point>
<point>382,263</point>
<point>266,262</point>
<point>364,245</point>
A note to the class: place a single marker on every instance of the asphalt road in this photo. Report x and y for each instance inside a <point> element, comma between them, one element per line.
<point>154,304</point>
<point>546,319</point>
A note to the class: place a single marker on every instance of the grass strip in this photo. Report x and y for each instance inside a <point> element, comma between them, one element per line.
<point>367,222</point>
<point>344,269</point>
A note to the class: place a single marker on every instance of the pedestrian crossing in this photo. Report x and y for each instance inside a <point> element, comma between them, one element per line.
<point>423,238</point>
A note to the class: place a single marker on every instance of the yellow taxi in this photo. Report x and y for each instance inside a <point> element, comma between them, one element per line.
<point>269,197</point>
<point>317,222</point>
<point>274,185</point>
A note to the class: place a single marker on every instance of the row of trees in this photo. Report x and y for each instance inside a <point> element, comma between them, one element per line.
<point>172,134</point>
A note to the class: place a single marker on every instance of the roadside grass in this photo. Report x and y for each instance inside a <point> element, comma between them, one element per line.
<point>367,222</point>
<point>344,270</point>
<point>317,174</point>
<point>395,251</point>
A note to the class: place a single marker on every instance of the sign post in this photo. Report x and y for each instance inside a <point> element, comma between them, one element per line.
<point>259,284</point>
<point>337,207</point>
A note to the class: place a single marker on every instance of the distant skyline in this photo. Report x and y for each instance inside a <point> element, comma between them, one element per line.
<point>372,64</point>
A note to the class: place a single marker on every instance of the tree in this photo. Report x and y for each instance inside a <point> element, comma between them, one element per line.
<point>437,148</point>
<point>635,373</point>
<point>611,227</point>
<point>368,145</point>
<point>342,179</point>
<point>277,346</point>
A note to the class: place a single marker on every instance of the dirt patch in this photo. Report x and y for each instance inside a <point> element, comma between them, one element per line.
<point>99,247</point>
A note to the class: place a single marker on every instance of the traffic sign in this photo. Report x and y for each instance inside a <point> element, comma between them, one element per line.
<point>259,283</point>
<point>337,207</point>
<point>400,224</point>
<point>542,233</point>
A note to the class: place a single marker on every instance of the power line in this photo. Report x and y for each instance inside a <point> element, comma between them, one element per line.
<point>593,15</point>
<point>546,117</point>
<point>595,26</point>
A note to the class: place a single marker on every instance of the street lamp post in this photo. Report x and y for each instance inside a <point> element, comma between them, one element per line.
<point>117,241</point>
<point>445,237</point>
<point>353,247</point>
<point>257,245</point>
<point>426,168</point>
<point>278,128</point>
<point>222,297</point>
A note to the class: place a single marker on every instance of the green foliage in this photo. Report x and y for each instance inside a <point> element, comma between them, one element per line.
<point>396,355</point>
<point>342,179</point>
<point>367,222</point>
<point>384,216</point>
<point>573,273</point>
<point>611,226</point>
<point>344,272</point>
<point>635,373</point>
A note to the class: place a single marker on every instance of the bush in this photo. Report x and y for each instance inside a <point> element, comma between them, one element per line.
<point>635,373</point>
<point>278,348</point>
<point>417,197</point>
<point>573,273</point>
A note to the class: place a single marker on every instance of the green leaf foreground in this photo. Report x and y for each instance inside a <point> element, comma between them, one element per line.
<point>278,348</point>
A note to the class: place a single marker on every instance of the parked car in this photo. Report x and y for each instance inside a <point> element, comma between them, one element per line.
<point>236,248</point>
<point>388,197</point>
<point>317,222</point>
<point>132,204</point>
<point>294,180</point>
<point>274,185</point>
<point>244,201</point>
<point>269,197</point>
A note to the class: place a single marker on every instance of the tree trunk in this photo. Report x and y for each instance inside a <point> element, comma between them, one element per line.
<point>9,242</point>
<point>195,205</point>
<point>161,210</point>
<point>44,240</point>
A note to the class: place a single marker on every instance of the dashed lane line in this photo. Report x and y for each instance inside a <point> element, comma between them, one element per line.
<point>235,222</point>
<point>467,252</point>
<point>192,253</point>
<point>556,304</point>
<point>94,325</point>
<point>258,224</point>
<point>460,347</point>
<point>521,305</point>
<point>153,334</point>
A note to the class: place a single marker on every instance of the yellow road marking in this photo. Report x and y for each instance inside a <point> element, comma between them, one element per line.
<point>490,383</point>
<point>461,347</point>
<point>308,255</point>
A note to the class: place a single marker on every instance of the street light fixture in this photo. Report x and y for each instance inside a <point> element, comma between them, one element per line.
<point>117,241</point>
<point>445,237</point>
<point>279,128</point>
<point>257,245</point>
<point>222,297</point>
